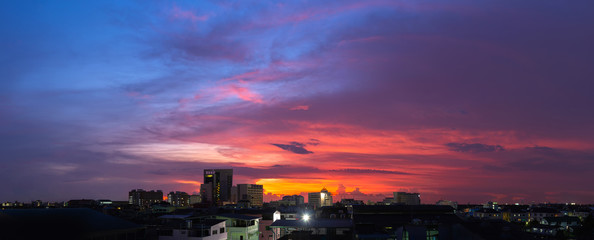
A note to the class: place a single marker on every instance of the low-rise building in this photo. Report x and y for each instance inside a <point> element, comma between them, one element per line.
<point>452,204</point>
<point>186,227</point>
<point>314,228</point>
<point>538,213</point>
<point>514,215</point>
<point>281,203</point>
<point>178,199</point>
<point>266,232</point>
<point>195,199</point>
<point>487,213</point>
<point>563,222</point>
<point>582,213</point>
<point>295,199</point>
<point>290,215</point>
<point>241,227</point>
<point>408,222</point>
<point>407,198</point>
<point>143,199</point>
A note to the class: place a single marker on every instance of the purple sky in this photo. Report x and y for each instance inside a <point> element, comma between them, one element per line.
<point>470,101</point>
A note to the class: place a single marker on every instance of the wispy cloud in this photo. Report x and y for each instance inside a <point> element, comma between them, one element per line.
<point>473,147</point>
<point>178,13</point>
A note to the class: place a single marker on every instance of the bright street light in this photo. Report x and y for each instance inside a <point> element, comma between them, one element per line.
<point>306,217</point>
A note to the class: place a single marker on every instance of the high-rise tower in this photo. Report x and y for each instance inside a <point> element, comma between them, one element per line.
<point>217,185</point>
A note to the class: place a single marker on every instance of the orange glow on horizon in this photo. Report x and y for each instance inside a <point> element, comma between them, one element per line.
<point>292,186</point>
<point>295,186</point>
<point>189,182</point>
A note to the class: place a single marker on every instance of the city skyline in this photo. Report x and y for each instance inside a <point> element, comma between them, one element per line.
<point>464,101</point>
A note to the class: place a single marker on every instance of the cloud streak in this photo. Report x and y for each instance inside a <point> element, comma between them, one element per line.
<point>295,147</point>
<point>473,147</point>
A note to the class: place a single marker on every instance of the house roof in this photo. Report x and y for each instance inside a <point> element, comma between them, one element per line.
<point>238,216</point>
<point>487,210</point>
<point>544,210</point>
<point>207,222</point>
<point>402,209</point>
<point>562,219</point>
<point>314,223</point>
<point>176,216</point>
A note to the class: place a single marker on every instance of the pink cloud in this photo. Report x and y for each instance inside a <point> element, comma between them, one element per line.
<point>260,75</point>
<point>246,94</point>
<point>178,13</point>
<point>300,107</point>
<point>138,95</point>
<point>242,92</point>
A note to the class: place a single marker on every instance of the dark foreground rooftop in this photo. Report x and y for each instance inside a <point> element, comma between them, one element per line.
<point>314,223</point>
<point>65,223</point>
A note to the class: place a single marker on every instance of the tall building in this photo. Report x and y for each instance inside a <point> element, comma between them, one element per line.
<point>320,199</point>
<point>313,199</point>
<point>221,181</point>
<point>206,193</point>
<point>407,198</point>
<point>251,192</point>
<point>298,199</point>
<point>234,197</point>
<point>178,199</point>
<point>326,198</point>
<point>142,198</point>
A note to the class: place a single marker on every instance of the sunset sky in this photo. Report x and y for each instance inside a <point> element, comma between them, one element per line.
<point>470,101</point>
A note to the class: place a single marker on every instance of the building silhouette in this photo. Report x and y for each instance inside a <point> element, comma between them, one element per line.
<point>142,198</point>
<point>407,198</point>
<point>297,199</point>
<point>251,192</point>
<point>320,199</point>
<point>178,199</point>
<point>216,189</point>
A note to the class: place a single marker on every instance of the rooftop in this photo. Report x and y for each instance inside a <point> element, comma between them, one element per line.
<point>238,216</point>
<point>314,223</point>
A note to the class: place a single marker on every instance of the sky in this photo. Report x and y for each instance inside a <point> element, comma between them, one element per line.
<point>463,100</point>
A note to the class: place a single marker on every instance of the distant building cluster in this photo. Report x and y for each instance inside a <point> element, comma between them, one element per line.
<point>218,190</point>
<point>403,198</point>
<point>320,199</point>
<point>142,198</point>
<point>178,199</point>
<point>237,212</point>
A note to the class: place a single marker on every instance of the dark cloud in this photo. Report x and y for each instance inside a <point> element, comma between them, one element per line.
<point>313,142</point>
<point>473,147</point>
<point>299,171</point>
<point>542,160</point>
<point>294,147</point>
<point>298,144</point>
<point>541,149</point>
